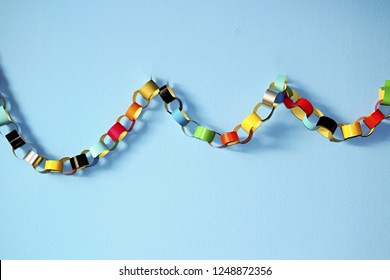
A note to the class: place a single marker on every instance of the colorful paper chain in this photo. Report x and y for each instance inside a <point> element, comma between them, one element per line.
<point>277,93</point>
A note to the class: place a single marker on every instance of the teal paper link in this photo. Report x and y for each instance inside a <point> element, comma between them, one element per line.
<point>308,124</point>
<point>97,149</point>
<point>4,117</point>
<point>279,82</point>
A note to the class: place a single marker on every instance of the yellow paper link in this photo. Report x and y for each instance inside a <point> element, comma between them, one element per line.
<point>54,165</point>
<point>149,90</point>
<point>328,134</point>
<point>381,93</point>
<point>251,122</point>
<point>351,130</point>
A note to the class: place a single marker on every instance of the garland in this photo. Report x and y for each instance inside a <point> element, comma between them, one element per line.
<point>277,93</point>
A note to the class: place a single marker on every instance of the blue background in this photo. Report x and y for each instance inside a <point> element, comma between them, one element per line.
<point>69,68</point>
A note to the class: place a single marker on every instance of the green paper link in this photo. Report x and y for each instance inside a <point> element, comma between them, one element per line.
<point>204,134</point>
<point>386,97</point>
<point>289,92</point>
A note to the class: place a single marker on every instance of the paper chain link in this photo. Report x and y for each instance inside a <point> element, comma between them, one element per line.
<point>277,93</point>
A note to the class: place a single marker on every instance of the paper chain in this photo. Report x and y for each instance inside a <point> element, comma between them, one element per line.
<point>277,93</point>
